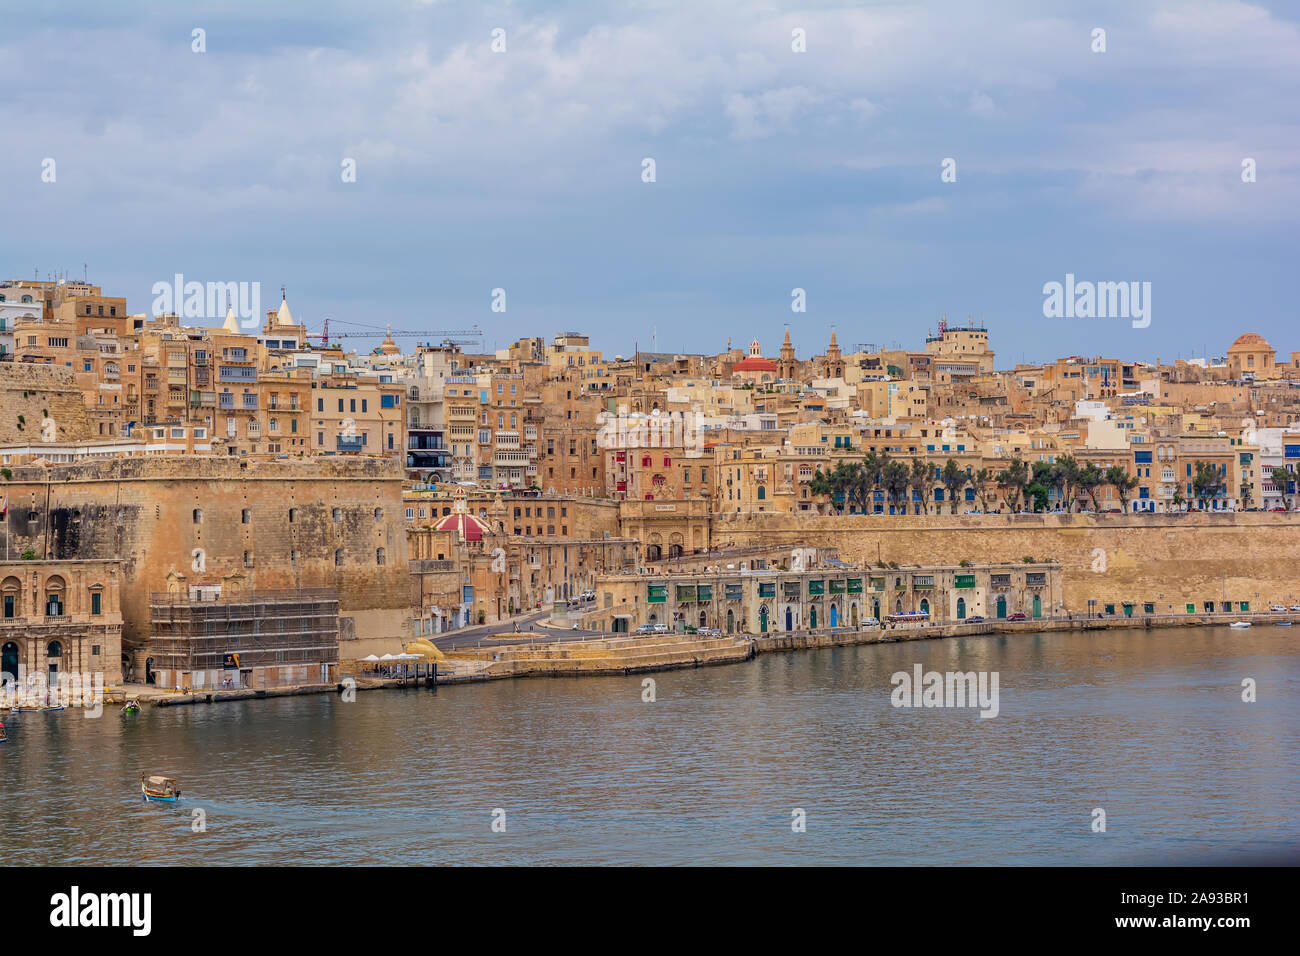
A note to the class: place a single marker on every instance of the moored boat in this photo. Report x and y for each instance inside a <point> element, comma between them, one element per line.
<point>1239,624</point>
<point>132,706</point>
<point>160,788</point>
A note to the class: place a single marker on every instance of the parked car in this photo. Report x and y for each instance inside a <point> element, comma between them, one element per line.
<point>1018,616</point>
<point>587,596</point>
<point>647,629</point>
<point>977,619</point>
<point>709,631</point>
<point>870,622</point>
<point>1295,607</point>
<point>1276,607</point>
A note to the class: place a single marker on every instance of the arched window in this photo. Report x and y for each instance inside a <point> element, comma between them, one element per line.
<point>54,589</point>
<point>54,649</point>
<point>379,514</point>
<point>379,556</point>
<point>198,516</point>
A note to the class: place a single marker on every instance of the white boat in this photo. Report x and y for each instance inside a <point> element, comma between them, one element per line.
<point>1239,624</point>
<point>1283,623</point>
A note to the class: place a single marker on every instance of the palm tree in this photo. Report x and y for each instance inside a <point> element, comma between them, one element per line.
<point>954,479</point>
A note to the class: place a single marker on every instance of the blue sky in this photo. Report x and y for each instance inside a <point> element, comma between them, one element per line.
<point>775,170</point>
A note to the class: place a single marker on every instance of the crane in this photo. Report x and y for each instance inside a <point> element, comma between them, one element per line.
<point>471,336</point>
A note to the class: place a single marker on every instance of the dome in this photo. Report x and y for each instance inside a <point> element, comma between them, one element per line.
<point>1251,340</point>
<point>470,527</point>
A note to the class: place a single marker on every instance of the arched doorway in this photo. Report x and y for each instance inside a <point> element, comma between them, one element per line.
<point>762,619</point>
<point>925,606</point>
<point>731,622</point>
<point>1002,606</point>
<point>1038,606</point>
<point>9,661</point>
<point>149,677</point>
<point>653,552</point>
<point>54,654</point>
<point>835,616</point>
<point>703,620</point>
<point>875,609</point>
<point>674,551</point>
<point>789,620</point>
<point>961,609</point>
<point>898,606</point>
<point>812,617</point>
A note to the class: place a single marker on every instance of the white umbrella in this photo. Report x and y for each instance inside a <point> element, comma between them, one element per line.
<point>388,657</point>
<point>369,658</point>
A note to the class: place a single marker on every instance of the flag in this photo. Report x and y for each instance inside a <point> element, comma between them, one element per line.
<point>4,508</point>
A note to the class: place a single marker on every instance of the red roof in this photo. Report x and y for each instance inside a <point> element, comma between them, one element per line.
<point>755,363</point>
<point>471,527</point>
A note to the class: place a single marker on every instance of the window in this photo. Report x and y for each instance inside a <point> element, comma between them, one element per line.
<point>338,515</point>
<point>245,516</point>
<point>379,556</point>
<point>379,514</point>
<point>198,516</point>
<point>248,559</point>
<point>293,515</point>
<point>338,557</point>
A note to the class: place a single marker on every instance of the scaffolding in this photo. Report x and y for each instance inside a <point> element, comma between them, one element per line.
<point>264,628</point>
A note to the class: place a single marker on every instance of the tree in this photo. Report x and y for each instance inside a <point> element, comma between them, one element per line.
<point>1283,479</point>
<point>923,482</point>
<point>1012,482</point>
<point>1065,475</point>
<point>1207,483</point>
<point>1119,479</point>
<point>983,478</point>
<point>1090,479</point>
<point>895,477</point>
<point>954,479</point>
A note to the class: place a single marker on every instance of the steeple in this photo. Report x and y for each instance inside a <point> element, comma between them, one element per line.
<point>231,324</point>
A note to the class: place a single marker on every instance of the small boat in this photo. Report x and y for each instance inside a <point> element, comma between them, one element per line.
<point>132,706</point>
<point>160,788</point>
<point>1283,623</point>
<point>3,735</point>
<point>1239,624</point>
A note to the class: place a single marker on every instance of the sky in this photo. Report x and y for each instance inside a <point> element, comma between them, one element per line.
<point>774,169</point>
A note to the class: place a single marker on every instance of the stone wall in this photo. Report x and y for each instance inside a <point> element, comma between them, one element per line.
<point>201,520</point>
<point>31,393</point>
<point>1168,560</point>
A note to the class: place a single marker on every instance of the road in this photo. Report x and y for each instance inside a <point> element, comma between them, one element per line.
<point>529,629</point>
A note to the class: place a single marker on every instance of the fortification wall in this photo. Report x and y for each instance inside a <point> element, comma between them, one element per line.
<point>204,518</point>
<point>29,394</point>
<point>1169,560</point>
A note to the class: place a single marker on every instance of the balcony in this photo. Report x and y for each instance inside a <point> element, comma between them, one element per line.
<point>249,402</point>
<point>345,444</point>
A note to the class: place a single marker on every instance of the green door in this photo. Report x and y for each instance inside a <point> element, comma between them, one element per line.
<point>1038,606</point>
<point>961,609</point>
<point>1002,606</point>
